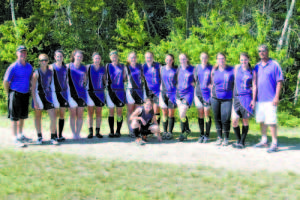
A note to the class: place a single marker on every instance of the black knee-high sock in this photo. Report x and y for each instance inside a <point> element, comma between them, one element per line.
<point>53,135</point>
<point>226,134</point>
<point>165,125</point>
<point>61,123</point>
<point>187,126</point>
<point>97,130</point>
<point>201,126</point>
<point>158,118</point>
<point>111,124</point>
<point>208,125</point>
<point>171,124</point>
<point>182,126</point>
<point>136,132</point>
<point>91,131</point>
<point>244,134</point>
<point>119,125</point>
<point>40,135</point>
<point>237,132</point>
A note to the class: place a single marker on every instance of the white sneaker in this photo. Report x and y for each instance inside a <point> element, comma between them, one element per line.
<point>25,139</point>
<point>39,140</point>
<point>19,143</point>
<point>54,141</point>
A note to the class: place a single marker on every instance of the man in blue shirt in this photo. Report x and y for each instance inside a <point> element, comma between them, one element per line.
<point>17,85</point>
<point>269,83</point>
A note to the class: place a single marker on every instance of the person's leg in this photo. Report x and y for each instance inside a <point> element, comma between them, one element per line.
<point>14,128</point>
<point>61,123</point>
<point>273,130</point>
<point>135,125</point>
<point>226,107</point>
<point>90,121</point>
<point>207,121</point>
<point>156,109</point>
<point>98,121</point>
<point>37,120</point>
<point>111,120</point>
<point>130,109</point>
<point>244,131</point>
<point>235,126</point>
<point>201,121</point>
<point>171,112</point>
<point>155,130</point>
<point>119,121</point>
<point>216,107</point>
<point>165,119</point>
<point>72,121</point>
<point>52,115</point>
<point>79,121</point>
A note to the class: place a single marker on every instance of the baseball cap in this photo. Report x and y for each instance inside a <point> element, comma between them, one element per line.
<point>21,48</point>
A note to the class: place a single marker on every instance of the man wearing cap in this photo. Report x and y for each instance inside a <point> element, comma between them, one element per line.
<point>269,83</point>
<point>17,85</point>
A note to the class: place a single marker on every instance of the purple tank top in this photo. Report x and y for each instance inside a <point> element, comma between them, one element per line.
<point>203,78</point>
<point>44,84</point>
<point>152,78</point>
<point>185,80</point>
<point>223,83</point>
<point>115,76</point>
<point>169,79</point>
<point>77,76</point>
<point>243,82</point>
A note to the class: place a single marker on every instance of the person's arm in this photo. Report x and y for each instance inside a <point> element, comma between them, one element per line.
<point>278,89</point>
<point>33,91</point>
<point>9,74</point>
<point>135,114</point>
<point>254,90</point>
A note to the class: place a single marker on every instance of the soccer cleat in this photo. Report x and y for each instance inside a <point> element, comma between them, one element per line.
<point>61,139</point>
<point>261,145</point>
<point>25,139</point>
<point>54,141</point>
<point>164,135</point>
<point>201,138</point>
<point>169,136</point>
<point>205,139</point>
<point>219,141</point>
<point>19,143</point>
<point>225,142</point>
<point>98,135</point>
<point>273,148</point>
<point>90,136</point>
<point>111,135</point>
<point>117,135</point>
<point>181,137</point>
<point>39,140</point>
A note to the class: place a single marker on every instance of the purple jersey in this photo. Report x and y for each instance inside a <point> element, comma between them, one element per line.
<point>185,88</point>
<point>169,82</point>
<point>115,80</point>
<point>243,87</point>
<point>134,75</point>
<point>267,78</point>
<point>19,76</point>
<point>203,79</point>
<point>96,81</point>
<point>223,83</point>
<point>152,78</point>
<point>77,78</point>
<point>44,84</point>
<point>61,80</point>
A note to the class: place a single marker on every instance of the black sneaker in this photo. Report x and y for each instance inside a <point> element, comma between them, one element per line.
<point>164,135</point>
<point>201,138</point>
<point>98,135</point>
<point>169,136</point>
<point>181,137</point>
<point>90,136</point>
<point>111,135</point>
<point>117,135</point>
<point>61,139</point>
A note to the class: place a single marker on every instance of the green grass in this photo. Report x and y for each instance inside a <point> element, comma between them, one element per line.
<point>38,175</point>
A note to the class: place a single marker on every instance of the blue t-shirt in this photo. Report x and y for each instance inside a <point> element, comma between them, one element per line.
<point>152,78</point>
<point>19,76</point>
<point>223,83</point>
<point>267,78</point>
<point>243,82</point>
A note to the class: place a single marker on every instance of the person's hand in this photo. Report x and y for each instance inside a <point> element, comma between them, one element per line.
<point>143,121</point>
<point>252,104</point>
<point>275,101</point>
<point>36,106</point>
<point>159,138</point>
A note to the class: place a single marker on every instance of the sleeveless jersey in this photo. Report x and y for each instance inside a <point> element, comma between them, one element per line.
<point>134,75</point>
<point>223,83</point>
<point>203,80</point>
<point>147,117</point>
<point>169,79</point>
<point>152,78</point>
<point>115,80</point>
<point>60,80</point>
<point>96,83</point>
<point>76,80</point>
<point>185,80</point>
<point>44,84</point>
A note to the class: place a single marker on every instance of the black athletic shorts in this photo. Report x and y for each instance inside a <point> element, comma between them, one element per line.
<point>96,100</point>
<point>116,101</point>
<point>17,105</point>
<point>80,102</point>
<point>167,101</point>
<point>152,96</point>
<point>145,129</point>
<point>182,100</point>
<point>63,103</point>
<point>137,99</point>
<point>240,110</point>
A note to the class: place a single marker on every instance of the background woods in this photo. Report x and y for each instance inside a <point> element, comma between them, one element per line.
<point>161,26</point>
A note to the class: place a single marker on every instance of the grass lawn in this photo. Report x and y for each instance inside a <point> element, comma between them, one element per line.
<point>38,175</point>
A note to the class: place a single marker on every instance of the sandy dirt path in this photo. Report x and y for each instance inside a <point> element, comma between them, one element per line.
<point>187,153</point>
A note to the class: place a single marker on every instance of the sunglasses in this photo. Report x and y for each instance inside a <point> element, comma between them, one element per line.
<point>44,60</point>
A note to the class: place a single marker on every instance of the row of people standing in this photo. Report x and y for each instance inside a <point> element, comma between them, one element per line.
<point>77,86</point>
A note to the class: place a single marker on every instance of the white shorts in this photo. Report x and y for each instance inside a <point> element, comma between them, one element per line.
<point>266,113</point>
<point>109,102</point>
<point>161,102</point>
<point>129,98</point>
<point>234,115</point>
<point>198,103</point>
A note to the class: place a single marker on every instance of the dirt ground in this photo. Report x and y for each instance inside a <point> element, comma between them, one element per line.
<point>187,153</point>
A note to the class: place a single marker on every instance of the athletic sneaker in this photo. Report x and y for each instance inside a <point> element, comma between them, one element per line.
<point>219,141</point>
<point>54,141</point>
<point>39,140</point>
<point>61,139</point>
<point>261,145</point>
<point>117,135</point>
<point>164,136</point>
<point>184,135</point>
<point>144,138</point>
<point>273,148</point>
<point>98,135</point>
<point>140,142</point>
<point>201,138</point>
<point>205,139</point>
<point>25,139</point>
<point>111,135</point>
<point>169,136</point>
<point>225,142</point>
<point>238,146</point>
<point>90,136</point>
<point>19,143</point>
<point>181,137</point>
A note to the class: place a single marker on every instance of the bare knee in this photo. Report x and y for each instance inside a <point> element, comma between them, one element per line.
<point>135,124</point>
<point>235,122</point>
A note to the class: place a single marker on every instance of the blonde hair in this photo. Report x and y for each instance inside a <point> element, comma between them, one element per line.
<point>43,55</point>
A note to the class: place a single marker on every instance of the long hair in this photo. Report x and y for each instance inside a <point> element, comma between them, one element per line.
<point>74,53</point>
<point>188,59</point>
<point>247,56</point>
<point>127,61</point>
<point>219,54</point>
<point>62,52</point>
<point>173,65</point>
<point>204,52</point>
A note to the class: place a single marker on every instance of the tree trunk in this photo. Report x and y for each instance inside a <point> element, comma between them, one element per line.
<point>286,23</point>
<point>187,18</point>
<point>14,18</point>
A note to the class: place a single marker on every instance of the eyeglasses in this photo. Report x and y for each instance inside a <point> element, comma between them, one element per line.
<point>44,60</point>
